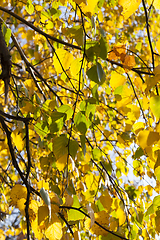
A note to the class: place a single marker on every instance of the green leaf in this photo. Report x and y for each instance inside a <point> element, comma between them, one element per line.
<point>60,146</point>
<point>42,129</point>
<point>29,7</point>
<point>156,202</point>
<point>73,148</point>
<point>118,90</point>
<point>139,152</point>
<point>54,188</point>
<point>95,93</point>
<point>90,110</point>
<point>74,215</point>
<point>101,74</point>
<point>96,74</point>
<point>58,120</point>
<point>108,167</point>
<point>150,210</point>
<point>97,154</point>
<point>155,106</point>
<point>7,36</point>
<point>99,205</point>
<point>81,122</point>
<point>49,105</point>
<point>76,33</point>
<point>157,173</point>
<point>66,109</point>
<point>83,140</point>
<point>103,49</point>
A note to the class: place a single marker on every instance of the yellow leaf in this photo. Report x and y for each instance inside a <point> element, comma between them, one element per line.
<point>146,138</point>
<point>117,80</point>
<point>30,86</point>
<point>158,45</point>
<point>38,8</point>
<point>137,127</point>
<point>156,4</point>
<point>18,140</point>
<point>33,209</point>
<point>91,181</point>
<point>90,7</point>
<point>75,67</point>
<point>129,7</point>
<point>43,184</point>
<point>54,231</point>
<point>36,229</point>
<point>21,205</point>
<point>65,58</point>
<point>106,201</point>
<point>61,162</point>
<point>18,192</point>
<point>60,151</point>
<point>2,236</point>
<point>134,114</point>
<point>157,173</point>
<point>121,216</point>
<point>28,107</point>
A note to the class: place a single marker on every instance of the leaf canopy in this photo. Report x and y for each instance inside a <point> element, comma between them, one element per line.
<point>79,119</point>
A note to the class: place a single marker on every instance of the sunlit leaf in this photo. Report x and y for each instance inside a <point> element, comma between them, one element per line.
<point>129,7</point>
<point>18,140</point>
<point>74,215</point>
<point>29,7</point>
<point>81,122</point>
<point>156,4</point>
<point>7,34</point>
<point>67,110</point>
<point>147,138</point>
<point>155,106</point>
<point>62,60</point>
<point>121,216</point>
<point>157,173</point>
<point>117,80</point>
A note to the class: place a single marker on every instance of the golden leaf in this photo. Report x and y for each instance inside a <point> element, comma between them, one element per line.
<point>66,58</point>
<point>121,216</point>
<point>117,80</point>
<point>18,192</point>
<point>54,231</point>
<point>129,7</point>
<point>129,62</point>
<point>18,140</point>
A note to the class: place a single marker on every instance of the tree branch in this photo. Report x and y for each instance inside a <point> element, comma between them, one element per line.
<point>38,30</point>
